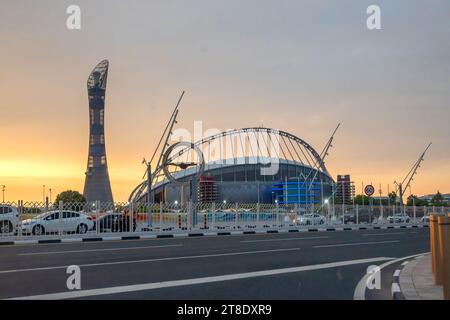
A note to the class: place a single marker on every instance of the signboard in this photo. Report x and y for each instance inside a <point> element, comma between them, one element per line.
<point>369,190</point>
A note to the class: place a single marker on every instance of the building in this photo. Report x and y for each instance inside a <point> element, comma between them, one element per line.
<point>97,186</point>
<point>345,190</point>
<point>429,197</point>
<point>236,171</point>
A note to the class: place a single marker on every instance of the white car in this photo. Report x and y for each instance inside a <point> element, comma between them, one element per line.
<point>399,218</point>
<point>9,219</point>
<point>50,222</point>
<point>311,219</point>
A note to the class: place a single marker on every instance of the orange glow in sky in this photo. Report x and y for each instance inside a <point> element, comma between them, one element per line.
<point>298,68</point>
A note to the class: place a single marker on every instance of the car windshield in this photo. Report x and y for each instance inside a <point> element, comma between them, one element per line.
<point>43,215</point>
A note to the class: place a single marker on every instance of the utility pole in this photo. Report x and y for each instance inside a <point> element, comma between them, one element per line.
<point>43,193</point>
<point>50,191</point>
<point>3,192</point>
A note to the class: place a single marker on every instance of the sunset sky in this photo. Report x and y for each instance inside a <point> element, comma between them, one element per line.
<point>299,66</point>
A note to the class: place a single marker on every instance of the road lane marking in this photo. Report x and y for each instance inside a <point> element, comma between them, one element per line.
<point>285,239</point>
<point>386,233</point>
<point>397,273</point>
<point>354,244</point>
<point>195,281</point>
<point>360,289</point>
<point>151,260</point>
<point>395,288</point>
<point>97,250</point>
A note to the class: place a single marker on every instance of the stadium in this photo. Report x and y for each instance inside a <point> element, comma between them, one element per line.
<point>249,165</point>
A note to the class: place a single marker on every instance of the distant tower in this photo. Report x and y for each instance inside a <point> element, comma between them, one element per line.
<point>97,185</point>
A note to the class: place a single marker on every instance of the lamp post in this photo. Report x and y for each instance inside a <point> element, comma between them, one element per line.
<point>3,192</point>
<point>43,193</point>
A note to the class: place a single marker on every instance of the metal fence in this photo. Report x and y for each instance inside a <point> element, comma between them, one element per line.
<point>23,219</point>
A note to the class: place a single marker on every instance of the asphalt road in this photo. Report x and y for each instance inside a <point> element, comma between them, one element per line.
<point>314,265</point>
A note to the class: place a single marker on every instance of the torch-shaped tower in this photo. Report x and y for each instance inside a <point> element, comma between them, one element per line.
<point>97,185</point>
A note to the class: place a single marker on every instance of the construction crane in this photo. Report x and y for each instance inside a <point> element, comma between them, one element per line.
<point>403,186</point>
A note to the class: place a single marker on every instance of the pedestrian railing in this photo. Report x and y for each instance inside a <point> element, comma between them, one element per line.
<point>25,219</point>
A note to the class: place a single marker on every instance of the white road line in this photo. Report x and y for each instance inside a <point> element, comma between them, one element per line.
<point>285,239</point>
<point>360,290</point>
<point>151,260</point>
<point>405,263</point>
<point>395,288</point>
<point>195,281</point>
<point>354,244</point>
<point>397,273</point>
<point>97,250</point>
<point>385,233</point>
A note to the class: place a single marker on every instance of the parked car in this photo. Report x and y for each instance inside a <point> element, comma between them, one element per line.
<point>364,216</point>
<point>399,218</point>
<point>50,222</point>
<point>311,219</point>
<point>114,222</point>
<point>9,219</point>
<point>425,219</point>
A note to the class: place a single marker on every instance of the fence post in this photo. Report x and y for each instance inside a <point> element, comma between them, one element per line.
<point>276,213</point>
<point>357,213</point>
<point>149,213</point>
<point>60,209</point>
<point>213,212</point>
<point>190,218</point>
<point>415,214</point>
<point>19,211</point>
<point>257,214</point>
<point>161,220</point>
<point>444,253</point>
<point>131,212</point>
<point>236,215</point>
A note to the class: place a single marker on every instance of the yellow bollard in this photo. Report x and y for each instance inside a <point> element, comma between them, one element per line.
<point>434,248</point>
<point>444,253</point>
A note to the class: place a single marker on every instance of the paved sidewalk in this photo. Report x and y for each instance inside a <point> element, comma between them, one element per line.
<point>417,281</point>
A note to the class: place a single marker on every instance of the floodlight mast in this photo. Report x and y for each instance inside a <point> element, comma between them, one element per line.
<point>410,176</point>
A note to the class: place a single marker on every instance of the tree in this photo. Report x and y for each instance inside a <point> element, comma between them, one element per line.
<point>70,196</point>
<point>362,200</point>
<point>438,200</point>
<point>393,197</point>
<point>414,200</point>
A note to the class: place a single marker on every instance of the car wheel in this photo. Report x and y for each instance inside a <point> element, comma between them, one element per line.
<point>82,228</point>
<point>38,230</point>
<point>6,227</point>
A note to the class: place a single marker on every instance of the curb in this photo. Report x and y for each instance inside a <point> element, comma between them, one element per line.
<point>398,281</point>
<point>396,290</point>
<point>201,234</point>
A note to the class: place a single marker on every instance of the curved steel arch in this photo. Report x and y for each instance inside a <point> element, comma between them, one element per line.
<point>318,162</point>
